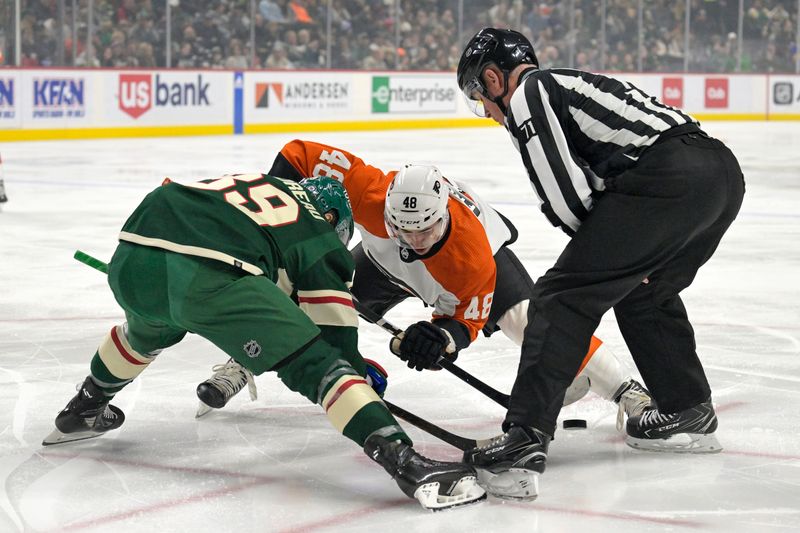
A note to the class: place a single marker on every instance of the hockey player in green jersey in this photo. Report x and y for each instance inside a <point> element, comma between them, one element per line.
<point>259,266</point>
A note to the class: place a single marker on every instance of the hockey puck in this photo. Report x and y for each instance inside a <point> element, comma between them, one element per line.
<point>574,423</point>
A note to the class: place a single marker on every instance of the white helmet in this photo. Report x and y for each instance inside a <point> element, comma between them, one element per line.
<point>415,212</point>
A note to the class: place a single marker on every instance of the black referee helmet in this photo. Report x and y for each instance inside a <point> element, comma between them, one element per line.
<point>505,48</point>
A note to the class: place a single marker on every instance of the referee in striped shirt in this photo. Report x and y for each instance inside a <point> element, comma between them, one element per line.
<point>646,196</point>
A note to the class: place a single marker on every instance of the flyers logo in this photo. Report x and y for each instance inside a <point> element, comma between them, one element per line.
<point>263,91</point>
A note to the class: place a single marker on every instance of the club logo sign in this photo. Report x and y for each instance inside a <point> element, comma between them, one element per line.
<point>716,95</point>
<point>672,92</point>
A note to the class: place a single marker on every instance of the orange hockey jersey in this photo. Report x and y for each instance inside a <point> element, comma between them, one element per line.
<point>458,280</point>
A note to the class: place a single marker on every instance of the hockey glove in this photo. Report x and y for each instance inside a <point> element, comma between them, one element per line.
<point>422,344</point>
<point>377,377</point>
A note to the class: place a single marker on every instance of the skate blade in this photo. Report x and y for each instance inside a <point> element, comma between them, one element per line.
<point>517,484</point>
<point>680,443</point>
<point>466,491</point>
<point>202,410</point>
<point>56,437</point>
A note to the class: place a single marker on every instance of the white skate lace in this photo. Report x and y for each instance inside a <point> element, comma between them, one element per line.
<point>632,402</point>
<point>654,417</point>
<point>231,377</point>
<point>493,441</point>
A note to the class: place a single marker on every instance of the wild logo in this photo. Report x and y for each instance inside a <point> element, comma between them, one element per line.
<point>252,349</point>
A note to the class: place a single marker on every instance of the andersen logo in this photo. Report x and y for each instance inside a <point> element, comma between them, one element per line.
<point>138,93</point>
<point>302,95</point>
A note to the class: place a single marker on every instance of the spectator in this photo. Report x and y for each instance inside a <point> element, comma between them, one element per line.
<point>277,59</point>
<point>272,10</point>
<point>144,55</point>
<point>187,57</point>
<point>376,58</point>
<point>236,57</point>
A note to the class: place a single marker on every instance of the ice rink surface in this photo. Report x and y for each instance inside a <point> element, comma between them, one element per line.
<point>276,465</point>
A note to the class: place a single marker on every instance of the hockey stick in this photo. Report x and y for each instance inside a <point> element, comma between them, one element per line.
<point>494,394</point>
<point>462,443</point>
<point>91,261</point>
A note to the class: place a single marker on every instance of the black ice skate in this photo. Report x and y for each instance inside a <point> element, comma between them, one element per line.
<point>86,416</point>
<point>632,399</point>
<point>227,381</point>
<point>436,485</point>
<point>509,465</point>
<point>689,431</point>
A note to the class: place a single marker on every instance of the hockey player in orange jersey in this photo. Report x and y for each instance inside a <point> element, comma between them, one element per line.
<point>430,237</point>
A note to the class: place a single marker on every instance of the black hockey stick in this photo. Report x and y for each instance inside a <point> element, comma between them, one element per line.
<point>462,443</point>
<point>373,317</point>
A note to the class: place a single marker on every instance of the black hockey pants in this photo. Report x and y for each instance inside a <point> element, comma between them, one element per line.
<point>659,221</point>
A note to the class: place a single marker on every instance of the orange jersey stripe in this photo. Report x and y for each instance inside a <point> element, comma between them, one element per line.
<point>465,267</point>
<point>594,344</point>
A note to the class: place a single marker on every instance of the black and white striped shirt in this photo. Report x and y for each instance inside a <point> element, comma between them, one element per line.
<point>574,129</point>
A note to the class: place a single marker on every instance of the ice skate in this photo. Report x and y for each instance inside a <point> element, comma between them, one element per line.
<point>436,485</point>
<point>688,431</point>
<point>228,379</point>
<point>86,416</point>
<point>632,399</point>
<point>509,465</point>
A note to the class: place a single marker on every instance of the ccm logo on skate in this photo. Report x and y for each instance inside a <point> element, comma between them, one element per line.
<point>136,94</point>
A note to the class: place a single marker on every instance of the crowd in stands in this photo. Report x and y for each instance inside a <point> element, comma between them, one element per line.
<point>400,34</point>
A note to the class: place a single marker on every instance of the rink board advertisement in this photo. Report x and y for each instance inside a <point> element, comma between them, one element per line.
<point>435,93</point>
<point>708,95</point>
<point>297,95</point>
<point>784,95</point>
<point>98,103</point>
<point>168,97</point>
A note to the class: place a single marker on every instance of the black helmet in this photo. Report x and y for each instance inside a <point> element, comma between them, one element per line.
<point>505,48</point>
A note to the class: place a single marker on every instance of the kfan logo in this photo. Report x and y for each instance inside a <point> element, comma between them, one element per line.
<point>716,93</point>
<point>58,97</point>
<point>138,93</point>
<point>263,91</point>
<point>7,98</point>
<point>6,93</point>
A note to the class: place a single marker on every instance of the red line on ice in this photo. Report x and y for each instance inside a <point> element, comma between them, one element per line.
<point>338,520</point>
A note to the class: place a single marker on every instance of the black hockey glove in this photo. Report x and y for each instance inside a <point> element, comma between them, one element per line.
<point>422,345</point>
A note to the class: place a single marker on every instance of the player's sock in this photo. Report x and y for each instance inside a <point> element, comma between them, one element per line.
<point>632,399</point>
<point>115,364</point>
<point>356,410</point>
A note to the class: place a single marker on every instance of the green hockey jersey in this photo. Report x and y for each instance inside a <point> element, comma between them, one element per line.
<point>265,226</point>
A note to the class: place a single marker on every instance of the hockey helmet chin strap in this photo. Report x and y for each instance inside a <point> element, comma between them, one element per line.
<point>498,100</point>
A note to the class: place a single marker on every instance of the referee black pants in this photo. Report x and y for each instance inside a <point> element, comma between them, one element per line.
<point>641,245</point>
